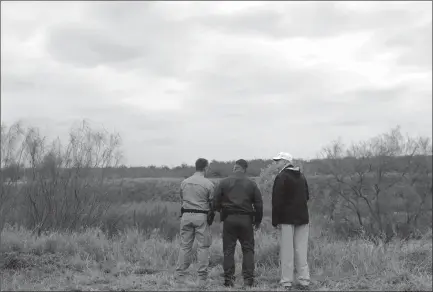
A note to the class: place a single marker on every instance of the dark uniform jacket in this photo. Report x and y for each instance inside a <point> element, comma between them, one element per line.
<point>238,194</point>
<point>289,198</point>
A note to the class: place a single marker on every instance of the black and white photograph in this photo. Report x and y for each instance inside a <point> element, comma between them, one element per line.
<point>216,146</point>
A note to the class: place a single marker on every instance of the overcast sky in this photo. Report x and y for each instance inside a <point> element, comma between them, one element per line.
<point>220,80</point>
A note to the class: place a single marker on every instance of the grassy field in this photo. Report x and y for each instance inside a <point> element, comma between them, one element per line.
<point>136,248</point>
<point>145,261</point>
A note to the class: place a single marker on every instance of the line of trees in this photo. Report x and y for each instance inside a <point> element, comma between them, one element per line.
<point>15,171</point>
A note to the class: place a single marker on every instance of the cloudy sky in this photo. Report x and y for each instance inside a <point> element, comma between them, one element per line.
<point>221,80</point>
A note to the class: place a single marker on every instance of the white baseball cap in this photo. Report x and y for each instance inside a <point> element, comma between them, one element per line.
<point>284,156</point>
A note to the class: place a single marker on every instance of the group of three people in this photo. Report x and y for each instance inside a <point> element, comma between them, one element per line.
<point>239,202</point>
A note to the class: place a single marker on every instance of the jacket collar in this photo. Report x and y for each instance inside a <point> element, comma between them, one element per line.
<point>290,166</point>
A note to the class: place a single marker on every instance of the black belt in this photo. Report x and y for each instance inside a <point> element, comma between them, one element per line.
<point>182,210</point>
<point>239,213</point>
<point>224,213</point>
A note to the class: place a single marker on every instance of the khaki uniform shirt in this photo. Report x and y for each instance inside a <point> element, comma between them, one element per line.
<point>196,192</point>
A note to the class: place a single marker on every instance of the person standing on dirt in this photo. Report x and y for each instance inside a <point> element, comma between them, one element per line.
<point>290,212</point>
<point>239,201</point>
<point>196,194</point>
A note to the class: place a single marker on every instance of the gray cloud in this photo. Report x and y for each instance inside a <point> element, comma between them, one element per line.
<point>242,76</point>
<point>415,45</point>
<point>307,20</point>
<point>88,47</point>
<point>131,35</point>
<point>183,80</point>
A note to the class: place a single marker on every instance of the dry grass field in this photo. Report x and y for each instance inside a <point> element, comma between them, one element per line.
<point>145,261</point>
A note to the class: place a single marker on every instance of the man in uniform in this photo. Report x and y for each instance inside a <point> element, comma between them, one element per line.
<point>239,201</point>
<point>196,193</point>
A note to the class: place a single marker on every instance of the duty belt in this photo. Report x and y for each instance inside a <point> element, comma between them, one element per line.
<point>239,212</point>
<point>182,210</point>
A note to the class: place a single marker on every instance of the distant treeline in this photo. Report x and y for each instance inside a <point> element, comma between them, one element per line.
<point>219,169</point>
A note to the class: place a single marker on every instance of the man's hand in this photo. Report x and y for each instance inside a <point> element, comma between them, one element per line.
<point>277,226</point>
<point>210,217</point>
<point>256,226</point>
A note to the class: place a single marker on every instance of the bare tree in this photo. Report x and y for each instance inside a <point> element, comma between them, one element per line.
<point>65,184</point>
<point>374,179</point>
<point>11,167</point>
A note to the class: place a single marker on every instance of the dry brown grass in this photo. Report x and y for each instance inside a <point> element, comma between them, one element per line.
<point>136,261</point>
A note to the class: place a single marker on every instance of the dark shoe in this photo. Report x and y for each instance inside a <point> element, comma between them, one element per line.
<point>228,283</point>
<point>303,287</point>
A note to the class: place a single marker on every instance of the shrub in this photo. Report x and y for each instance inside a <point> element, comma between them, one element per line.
<point>61,190</point>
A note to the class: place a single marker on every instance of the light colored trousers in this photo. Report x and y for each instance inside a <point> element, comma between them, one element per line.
<point>293,254</point>
<point>194,226</point>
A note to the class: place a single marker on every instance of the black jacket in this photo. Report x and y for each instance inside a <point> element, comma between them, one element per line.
<point>238,194</point>
<point>289,198</point>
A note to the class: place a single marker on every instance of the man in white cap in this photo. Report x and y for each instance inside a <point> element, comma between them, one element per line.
<point>290,211</point>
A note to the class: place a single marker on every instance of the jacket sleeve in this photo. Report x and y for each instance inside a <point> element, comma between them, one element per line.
<point>277,190</point>
<point>307,191</point>
<point>181,191</point>
<point>211,195</point>
<point>258,204</point>
<point>217,197</point>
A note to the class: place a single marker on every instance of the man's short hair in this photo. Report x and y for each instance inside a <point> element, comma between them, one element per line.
<point>242,163</point>
<point>201,164</point>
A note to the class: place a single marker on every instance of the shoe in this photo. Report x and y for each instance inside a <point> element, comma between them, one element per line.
<point>288,287</point>
<point>228,283</point>
<point>303,287</point>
